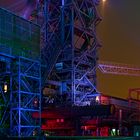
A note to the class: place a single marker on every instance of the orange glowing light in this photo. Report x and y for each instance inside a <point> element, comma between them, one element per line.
<point>5,87</point>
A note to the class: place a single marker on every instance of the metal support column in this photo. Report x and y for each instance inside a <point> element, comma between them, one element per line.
<point>26,98</point>
<point>5,93</point>
<point>71,32</point>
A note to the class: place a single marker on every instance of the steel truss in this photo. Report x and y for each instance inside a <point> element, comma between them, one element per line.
<point>5,93</point>
<point>118,69</point>
<point>26,97</point>
<point>71,50</point>
<point>51,32</point>
<point>20,77</point>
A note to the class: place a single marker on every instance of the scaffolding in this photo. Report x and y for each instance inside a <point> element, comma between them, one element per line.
<point>71,51</point>
<point>25,97</point>
<point>5,92</point>
<point>20,76</point>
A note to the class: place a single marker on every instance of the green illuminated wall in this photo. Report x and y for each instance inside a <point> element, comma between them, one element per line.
<point>21,36</point>
<point>18,37</point>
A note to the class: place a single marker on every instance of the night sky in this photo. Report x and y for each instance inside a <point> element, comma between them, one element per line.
<point>119,34</point>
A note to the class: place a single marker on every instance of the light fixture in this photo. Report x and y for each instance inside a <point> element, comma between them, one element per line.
<point>5,87</point>
<point>97,99</point>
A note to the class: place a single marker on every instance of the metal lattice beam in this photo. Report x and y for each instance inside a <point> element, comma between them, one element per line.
<point>71,39</point>
<point>26,98</point>
<point>20,77</point>
<point>5,93</point>
<point>118,69</point>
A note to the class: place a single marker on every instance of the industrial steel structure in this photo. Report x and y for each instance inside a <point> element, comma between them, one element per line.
<point>71,49</point>
<point>26,97</point>
<point>58,60</point>
<point>5,90</point>
<point>118,69</point>
<point>20,75</point>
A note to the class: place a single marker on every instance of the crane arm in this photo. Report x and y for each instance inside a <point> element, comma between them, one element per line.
<point>118,69</point>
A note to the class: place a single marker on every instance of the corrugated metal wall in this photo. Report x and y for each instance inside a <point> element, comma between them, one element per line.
<point>20,35</point>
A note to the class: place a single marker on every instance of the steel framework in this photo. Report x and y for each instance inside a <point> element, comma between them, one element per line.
<point>20,75</point>
<point>118,69</point>
<point>71,50</point>
<point>5,92</point>
<point>26,97</point>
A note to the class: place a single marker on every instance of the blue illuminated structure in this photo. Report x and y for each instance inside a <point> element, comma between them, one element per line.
<point>26,97</point>
<point>5,90</point>
<point>71,51</point>
<point>20,73</point>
